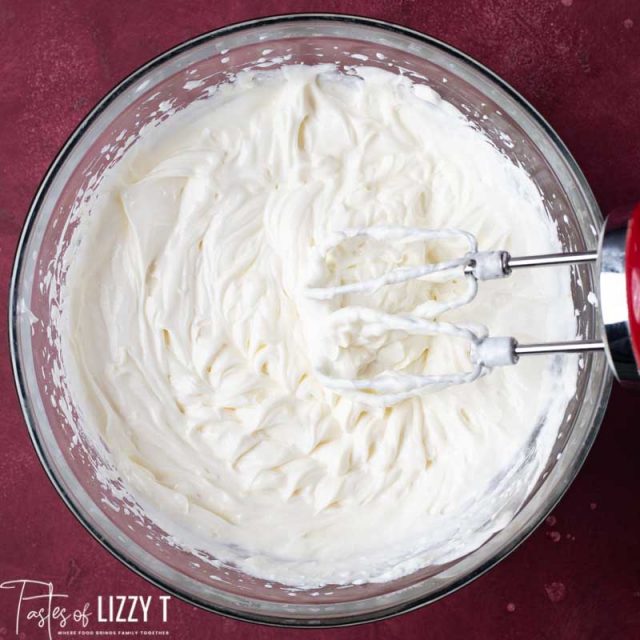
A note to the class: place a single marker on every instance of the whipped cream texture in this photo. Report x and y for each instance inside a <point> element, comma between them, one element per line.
<point>191,347</point>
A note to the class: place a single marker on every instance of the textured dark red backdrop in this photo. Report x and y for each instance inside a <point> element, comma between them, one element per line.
<point>577,61</point>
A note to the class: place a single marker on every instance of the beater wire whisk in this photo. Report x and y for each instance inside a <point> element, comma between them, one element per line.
<point>618,257</point>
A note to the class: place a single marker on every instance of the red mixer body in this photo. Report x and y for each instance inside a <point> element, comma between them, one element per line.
<point>632,267</point>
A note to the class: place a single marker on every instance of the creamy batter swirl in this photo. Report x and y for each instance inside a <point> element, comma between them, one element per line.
<point>191,346</point>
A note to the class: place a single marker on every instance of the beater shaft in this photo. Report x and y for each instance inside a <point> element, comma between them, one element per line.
<point>487,265</point>
<point>501,351</point>
<point>551,259</point>
<point>579,346</point>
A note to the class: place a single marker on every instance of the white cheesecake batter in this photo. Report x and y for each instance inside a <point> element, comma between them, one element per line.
<point>191,347</point>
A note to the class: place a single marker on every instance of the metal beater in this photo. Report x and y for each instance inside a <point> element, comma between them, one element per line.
<point>617,263</point>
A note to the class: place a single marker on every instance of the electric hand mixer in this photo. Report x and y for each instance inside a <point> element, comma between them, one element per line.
<point>618,265</point>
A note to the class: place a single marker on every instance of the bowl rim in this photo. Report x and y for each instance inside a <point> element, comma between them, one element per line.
<point>20,381</point>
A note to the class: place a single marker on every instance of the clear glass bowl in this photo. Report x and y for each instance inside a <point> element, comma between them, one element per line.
<point>509,121</point>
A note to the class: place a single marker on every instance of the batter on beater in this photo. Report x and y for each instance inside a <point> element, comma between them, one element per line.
<point>192,348</point>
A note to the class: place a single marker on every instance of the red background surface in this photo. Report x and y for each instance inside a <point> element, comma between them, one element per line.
<point>577,61</point>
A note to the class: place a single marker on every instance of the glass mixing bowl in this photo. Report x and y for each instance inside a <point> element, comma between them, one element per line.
<point>175,79</point>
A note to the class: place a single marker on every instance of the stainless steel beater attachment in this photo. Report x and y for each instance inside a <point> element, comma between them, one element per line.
<point>617,262</point>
